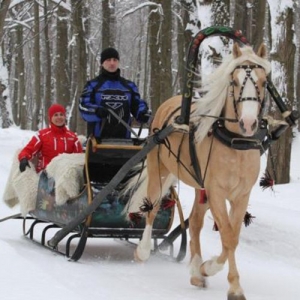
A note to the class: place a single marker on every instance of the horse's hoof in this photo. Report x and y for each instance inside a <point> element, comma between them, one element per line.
<point>210,267</point>
<point>236,297</point>
<point>136,257</point>
<point>199,282</point>
<point>139,256</point>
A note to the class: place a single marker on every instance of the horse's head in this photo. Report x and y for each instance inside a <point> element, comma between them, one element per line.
<point>247,88</point>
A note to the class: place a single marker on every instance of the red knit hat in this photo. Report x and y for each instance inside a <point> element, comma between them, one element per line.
<point>55,108</point>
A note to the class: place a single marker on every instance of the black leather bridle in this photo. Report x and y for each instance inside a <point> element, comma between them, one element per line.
<point>248,69</point>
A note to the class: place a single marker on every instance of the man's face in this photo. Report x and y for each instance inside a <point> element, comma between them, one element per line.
<point>111,65</point>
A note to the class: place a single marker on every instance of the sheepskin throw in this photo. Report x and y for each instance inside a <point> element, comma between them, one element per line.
<point>21,187</point>
<point>67,171</point>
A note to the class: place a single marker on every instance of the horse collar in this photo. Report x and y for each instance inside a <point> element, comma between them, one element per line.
<point>237,141</point>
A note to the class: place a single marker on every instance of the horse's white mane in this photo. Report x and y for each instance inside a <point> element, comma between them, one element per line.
<point>215,87</point>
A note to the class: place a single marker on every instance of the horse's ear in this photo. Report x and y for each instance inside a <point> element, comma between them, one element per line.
<point>262,51</point>
<point>236,50</point>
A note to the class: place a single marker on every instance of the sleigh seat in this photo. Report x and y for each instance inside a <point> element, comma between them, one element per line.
<point>106,157</point>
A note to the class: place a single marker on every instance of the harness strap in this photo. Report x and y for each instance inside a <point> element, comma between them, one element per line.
<point>194,157</point>
<point>167,145</point>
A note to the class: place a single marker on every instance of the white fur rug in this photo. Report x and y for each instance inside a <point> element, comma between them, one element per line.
<point>21,187</point>
<point>67,171</point>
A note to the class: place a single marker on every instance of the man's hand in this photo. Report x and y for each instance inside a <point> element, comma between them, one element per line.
<point>144,116</point>
<point>23,164</point>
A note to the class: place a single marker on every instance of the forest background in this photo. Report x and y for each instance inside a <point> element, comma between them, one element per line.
<point>50,48</point>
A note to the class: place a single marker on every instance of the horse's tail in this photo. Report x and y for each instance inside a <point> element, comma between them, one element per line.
<point>136,190</point>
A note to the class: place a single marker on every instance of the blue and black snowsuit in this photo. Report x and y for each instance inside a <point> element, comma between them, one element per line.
<point>110,90</point>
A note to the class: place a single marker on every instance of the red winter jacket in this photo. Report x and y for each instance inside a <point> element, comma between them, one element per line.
<point>49,143</point>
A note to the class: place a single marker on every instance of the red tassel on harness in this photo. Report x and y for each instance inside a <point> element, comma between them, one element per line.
<point>203,196</point>
<point>135,218</point>
<point>166,204</point>
<point>266,181</point>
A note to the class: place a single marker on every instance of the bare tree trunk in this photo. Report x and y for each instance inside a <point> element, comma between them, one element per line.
<point>154,24</point>
<point>241,17</point>
<point>22,114</point>
<point>165,80</point>
<point>6,121</point>
<point>79,62</point>
<point>47,66</point>
<point>183,40</point>
<point>258,22</point>
<point>13,73</point>
<point>280,152</point>
<point>105,24</point>
<point>37,69</point>
<point>297,71</point>
<point>61,60</point>
<point>108,23</point>
<point>4,5</point>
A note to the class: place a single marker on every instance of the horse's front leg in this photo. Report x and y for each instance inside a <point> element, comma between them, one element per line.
<point>237,214</point>
<point>196,220</point>
<point>229,229</point>
<point>143,250</point>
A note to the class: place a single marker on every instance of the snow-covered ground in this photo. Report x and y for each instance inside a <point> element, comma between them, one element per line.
<point>268,255</point>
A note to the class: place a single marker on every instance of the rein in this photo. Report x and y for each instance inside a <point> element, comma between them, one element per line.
<point>220,118</point>
<point>123,123</point>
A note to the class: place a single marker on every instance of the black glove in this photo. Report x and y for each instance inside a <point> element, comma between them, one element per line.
<point>23,164</point>
<point>144,116</point>
<point>101,112</point>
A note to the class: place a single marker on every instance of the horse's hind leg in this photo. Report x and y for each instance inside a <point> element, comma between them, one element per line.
<point>143,250</point>
<point>196,220</point>
<point>159,181</point>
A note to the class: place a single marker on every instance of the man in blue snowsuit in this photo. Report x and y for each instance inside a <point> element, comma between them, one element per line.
<point>111,91</point>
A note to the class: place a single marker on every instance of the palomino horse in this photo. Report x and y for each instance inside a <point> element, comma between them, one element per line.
<point>234,94</point>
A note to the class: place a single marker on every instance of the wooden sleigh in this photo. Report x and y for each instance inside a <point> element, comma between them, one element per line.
<point>102,162</point>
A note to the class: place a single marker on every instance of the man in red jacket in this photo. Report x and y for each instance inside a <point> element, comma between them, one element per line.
<point>50,142</point>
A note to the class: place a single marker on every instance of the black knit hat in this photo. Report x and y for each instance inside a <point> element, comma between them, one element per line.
<point>109,53</point>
